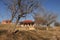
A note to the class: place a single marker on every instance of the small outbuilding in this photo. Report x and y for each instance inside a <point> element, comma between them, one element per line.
<point>6,22</point>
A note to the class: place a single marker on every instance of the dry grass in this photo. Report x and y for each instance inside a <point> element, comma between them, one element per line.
<point>38,34</point>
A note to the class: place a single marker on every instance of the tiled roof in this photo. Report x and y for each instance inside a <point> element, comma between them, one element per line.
<point>27,21</point>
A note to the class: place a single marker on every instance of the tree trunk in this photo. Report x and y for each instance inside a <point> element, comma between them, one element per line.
<point>16,23</point>
<point>11,19</point>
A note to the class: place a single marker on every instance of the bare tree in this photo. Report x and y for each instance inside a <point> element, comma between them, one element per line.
<point>19,8</point>
<point>45,19</point>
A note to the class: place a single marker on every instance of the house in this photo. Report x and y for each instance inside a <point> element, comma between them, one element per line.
<point>27,23</point>
<point>6,22</point>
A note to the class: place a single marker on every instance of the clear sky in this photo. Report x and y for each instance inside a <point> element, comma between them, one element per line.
<point>54,6</point>
<point>49,5</point>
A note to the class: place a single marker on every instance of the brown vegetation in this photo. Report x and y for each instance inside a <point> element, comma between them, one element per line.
<point>31,35</point>
<point>37,34</point>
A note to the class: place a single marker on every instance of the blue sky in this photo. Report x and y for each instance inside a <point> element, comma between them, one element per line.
<point>53,6</point>
<point>49,5</point>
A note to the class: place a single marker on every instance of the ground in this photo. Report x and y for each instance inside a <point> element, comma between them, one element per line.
<point>38,34</point>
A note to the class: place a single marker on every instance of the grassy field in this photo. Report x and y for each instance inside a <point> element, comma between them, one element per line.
<point>37,34</point>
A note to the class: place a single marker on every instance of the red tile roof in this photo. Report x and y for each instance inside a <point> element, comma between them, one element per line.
<point>27,21</point>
